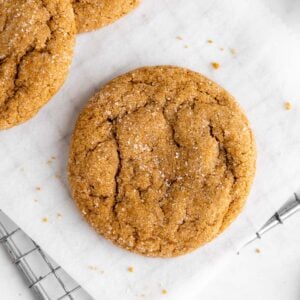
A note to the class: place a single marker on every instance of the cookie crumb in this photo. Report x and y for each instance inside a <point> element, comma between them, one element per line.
<point>233,51</point>
<point>185,46</point>
<point>45,220</point>
<point>179,38</point>
<point>215,65</point>
<point>210,41</point>
<point>257,250</point>
<point>130,269</point>
<point>221,49</point>
<point>164,291</point>
<point>93,268</point>
<point>57,176</point>
<point>49,162</point>
<point>38,188</point>
<point>59,215</point>
<point>288,105</point>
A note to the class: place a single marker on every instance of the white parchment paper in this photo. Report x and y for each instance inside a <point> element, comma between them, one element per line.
<point>262,74</point>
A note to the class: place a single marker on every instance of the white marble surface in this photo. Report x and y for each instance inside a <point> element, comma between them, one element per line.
<point>272,274</point>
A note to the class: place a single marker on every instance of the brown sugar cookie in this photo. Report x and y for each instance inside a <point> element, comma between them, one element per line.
<point>93,14</point>
<point>36,45</point>
<point>161,161</point>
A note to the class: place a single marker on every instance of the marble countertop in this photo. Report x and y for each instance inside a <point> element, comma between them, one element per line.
<point>271,274</point>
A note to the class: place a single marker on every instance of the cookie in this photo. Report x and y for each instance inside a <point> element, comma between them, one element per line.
<point>93,14</point>
<point>161,161</point>
<point>36,45</point>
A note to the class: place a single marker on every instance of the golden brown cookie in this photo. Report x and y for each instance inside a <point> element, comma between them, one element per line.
<point>162,160</point>
<point>36,45</point>
<point>93,14</point>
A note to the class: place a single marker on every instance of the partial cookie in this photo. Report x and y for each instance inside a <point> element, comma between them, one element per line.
<point>162,160</point>
<point>93,14</point>
<point>36,46</point>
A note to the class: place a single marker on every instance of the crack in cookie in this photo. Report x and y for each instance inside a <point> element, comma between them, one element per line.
<point>36,47</point>
<point>94,14</point>
<point>170,159</point>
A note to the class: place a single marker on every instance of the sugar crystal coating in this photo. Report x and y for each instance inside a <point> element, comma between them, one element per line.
<point>161,161</point>
<point>36,45</point>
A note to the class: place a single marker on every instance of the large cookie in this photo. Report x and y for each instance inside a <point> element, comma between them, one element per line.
<point>36,45</point>
<point>93,14</point>
<point>162,160</point>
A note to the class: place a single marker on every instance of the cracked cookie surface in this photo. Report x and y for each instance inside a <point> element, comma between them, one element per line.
<point>161,161</point>
<point>36,47</point>
<point>93,14</point>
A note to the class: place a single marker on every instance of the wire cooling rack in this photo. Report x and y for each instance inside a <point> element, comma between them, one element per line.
<point>50,282</point>
<point>287,210</point>
<point>45,277</point>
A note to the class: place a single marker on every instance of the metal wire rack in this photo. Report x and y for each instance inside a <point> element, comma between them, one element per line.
<point>287,210</point>
<point>45,277</point>
<point>50,282</point>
